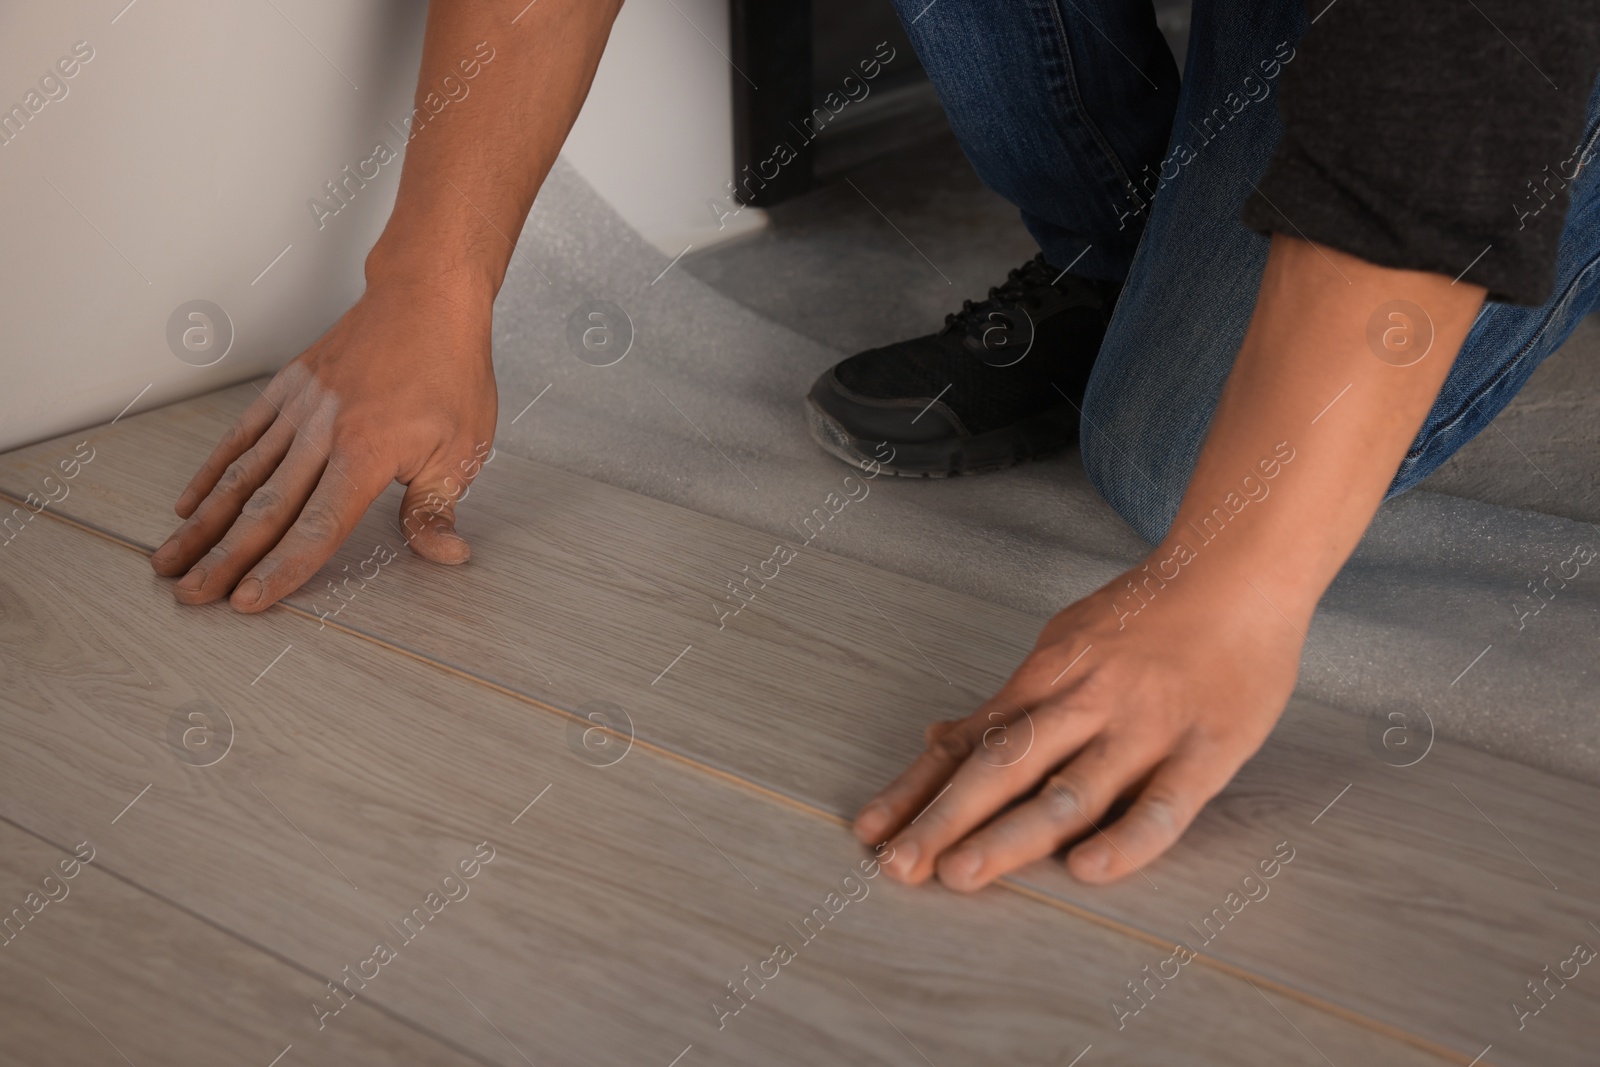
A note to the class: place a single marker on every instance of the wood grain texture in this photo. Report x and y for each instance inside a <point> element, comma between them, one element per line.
<point>1427,895</point>
<point>618,901</point>
<point>1406,903</point>
<point>104,970</point>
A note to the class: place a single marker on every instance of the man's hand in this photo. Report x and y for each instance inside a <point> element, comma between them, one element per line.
<point>1157,700</point>
<point>1160,685</point>
<point>401,389</point>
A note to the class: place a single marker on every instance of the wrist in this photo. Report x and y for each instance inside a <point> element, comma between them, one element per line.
<point>1239,569</point>
<point>449,318</point>
<point>419,268</point>
<point>450,255</point>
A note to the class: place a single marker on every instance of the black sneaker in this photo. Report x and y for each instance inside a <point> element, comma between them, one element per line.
<point>999,384</point>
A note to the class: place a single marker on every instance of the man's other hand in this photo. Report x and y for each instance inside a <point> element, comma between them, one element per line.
<point>400,389</point>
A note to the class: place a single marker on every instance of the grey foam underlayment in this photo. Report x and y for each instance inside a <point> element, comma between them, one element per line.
<point>1431,587</point>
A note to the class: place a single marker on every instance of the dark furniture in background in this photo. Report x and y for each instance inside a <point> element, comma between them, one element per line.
<point>789,56</point>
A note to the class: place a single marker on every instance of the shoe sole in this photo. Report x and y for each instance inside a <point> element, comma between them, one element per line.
<point>1032,438</point>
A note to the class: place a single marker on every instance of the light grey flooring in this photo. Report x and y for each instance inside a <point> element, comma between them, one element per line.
<point>331,767</point>
<point>704,412</point>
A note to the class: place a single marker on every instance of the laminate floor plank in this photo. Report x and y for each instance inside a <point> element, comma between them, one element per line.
<point>1408,902</point>
<point>96,969</point>
<point>1448,885</point>
<point>599,912</point>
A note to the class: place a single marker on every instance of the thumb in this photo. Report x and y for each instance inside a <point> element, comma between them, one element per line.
<point>428,514</point>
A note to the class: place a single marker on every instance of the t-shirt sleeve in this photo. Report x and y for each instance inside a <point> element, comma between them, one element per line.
<point>1436,135</point>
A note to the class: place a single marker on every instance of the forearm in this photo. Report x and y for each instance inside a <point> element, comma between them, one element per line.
<point>473,167</point>
<point>1308,384</point>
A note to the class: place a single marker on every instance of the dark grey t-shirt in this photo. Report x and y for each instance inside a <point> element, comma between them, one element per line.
<point>1436,135</point>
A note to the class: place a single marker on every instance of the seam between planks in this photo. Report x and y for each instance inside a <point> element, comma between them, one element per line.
<point>1107,922</point>
<point>234,935</point>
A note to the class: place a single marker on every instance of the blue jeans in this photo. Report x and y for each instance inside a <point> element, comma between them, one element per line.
<point>1071,110</point>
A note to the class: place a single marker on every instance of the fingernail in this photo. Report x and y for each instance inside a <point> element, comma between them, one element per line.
<point>191,582</point>
<point>873,817</point>
<point>1092,859</point>
<point>961,870</point>
<point>248,592</point>
<point>458,551</point>
<point>905,859</point>
<point>185,500</point>
<point>167,552</point>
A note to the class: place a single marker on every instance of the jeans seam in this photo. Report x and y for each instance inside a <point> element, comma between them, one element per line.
<point>1505,368</point>
<point>1077,98</point>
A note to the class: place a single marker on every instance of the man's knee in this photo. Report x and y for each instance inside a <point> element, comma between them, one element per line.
<point>1131,473</point>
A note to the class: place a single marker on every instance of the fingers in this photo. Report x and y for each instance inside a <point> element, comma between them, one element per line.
<point>240,436</point>
<point>1002,727</point>
<point>350,482</point>
<point>247,532</point>
<point>1071,802</point>
<point>1068,803</point>
<point>225,498</point>
<point>1164,810</point>
<point>981,787</point>
<point>428,512</point>
<point>948,743</point>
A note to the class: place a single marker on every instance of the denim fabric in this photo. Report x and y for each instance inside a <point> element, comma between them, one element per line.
<point>1058,105</point>
<point>1072,150</point>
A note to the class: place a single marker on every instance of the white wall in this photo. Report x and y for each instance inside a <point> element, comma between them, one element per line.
<point>179,164</point>
<point>656,136</point>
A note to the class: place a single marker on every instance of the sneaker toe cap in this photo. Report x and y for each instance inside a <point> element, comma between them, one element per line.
<point>912,419</point>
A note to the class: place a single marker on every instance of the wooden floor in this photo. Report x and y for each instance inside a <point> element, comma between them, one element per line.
<point>340,772</point>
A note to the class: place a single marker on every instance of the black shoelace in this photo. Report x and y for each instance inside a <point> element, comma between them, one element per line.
<point>1013,292</point>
